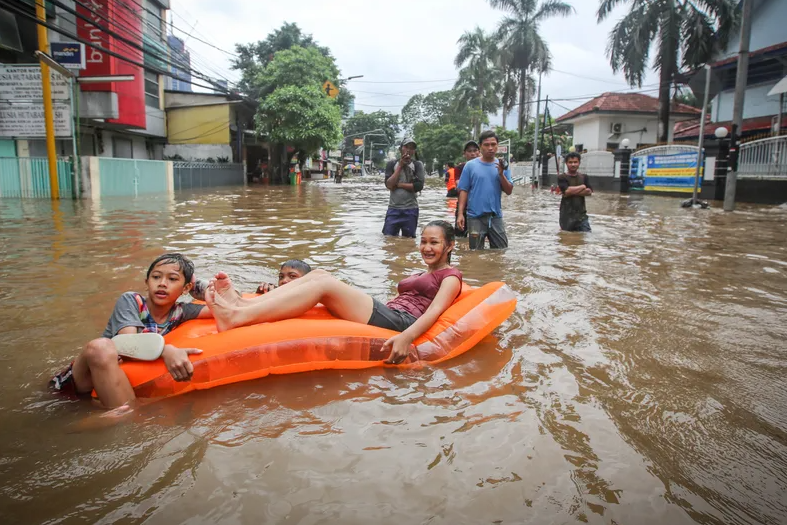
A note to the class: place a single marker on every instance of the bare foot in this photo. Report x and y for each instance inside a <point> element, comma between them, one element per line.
<point>223,312</point>
<point>224,287</point>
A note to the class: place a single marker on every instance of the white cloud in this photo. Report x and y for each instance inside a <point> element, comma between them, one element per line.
<point>408,42</point>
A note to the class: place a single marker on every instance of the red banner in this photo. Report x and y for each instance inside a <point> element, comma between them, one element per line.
<point>124,18</point>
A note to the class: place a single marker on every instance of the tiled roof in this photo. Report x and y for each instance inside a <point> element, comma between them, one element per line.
<point>762,51</point>
<point>690,128</point>
<point>626,103</point>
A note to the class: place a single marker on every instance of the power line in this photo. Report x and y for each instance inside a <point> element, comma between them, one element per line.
<point>405,81</point>
<point>127,41</point>
<point>206,64</point>
<point>76,38</point>
<point>197,39</point>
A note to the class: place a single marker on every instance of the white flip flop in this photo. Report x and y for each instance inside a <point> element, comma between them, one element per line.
<point>145,347</point>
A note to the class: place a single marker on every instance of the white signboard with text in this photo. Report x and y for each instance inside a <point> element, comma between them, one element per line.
<point>27,120</point>
<point>19,83</point>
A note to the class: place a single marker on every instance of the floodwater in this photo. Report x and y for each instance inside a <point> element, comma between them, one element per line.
<point>642,378</point>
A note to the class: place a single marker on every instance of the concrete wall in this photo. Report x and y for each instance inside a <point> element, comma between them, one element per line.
<point>767,22</point>
<point>199,125</point>
<point>198,151</point>
<point>756,104</point>
<point>181,98</point>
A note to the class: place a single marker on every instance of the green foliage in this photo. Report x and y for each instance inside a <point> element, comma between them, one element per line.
<point>522,47</point>
<point>362,122</point>
<point>480,79</point>
<point>254,58</point>
<point>438,145</point>
<point>302,116</point>
<point>438,108</point>
<point>297,66</point>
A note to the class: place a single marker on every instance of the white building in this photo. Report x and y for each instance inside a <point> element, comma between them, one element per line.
<point>602,123</point>
<point>767,66</point>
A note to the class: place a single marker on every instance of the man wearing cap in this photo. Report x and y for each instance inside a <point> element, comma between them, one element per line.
<point>471,151</point>
<point>403,177</point>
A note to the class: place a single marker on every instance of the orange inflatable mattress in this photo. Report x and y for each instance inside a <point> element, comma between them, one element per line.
<point>316,341</point>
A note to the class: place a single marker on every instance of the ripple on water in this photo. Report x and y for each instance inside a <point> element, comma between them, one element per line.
<point>640,379</point>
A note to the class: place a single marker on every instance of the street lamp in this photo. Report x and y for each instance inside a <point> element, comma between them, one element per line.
<point>625,143</point>
<point>721,132</point>
<point>348,78</point>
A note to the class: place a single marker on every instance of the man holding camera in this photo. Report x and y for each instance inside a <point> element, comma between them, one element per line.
<point>404,177</point>
<point>481,186</point>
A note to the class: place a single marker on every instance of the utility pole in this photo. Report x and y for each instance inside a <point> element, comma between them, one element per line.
<point>702,134</point>
<point>49,116</point>
<point>737,108</point>
<point>535,134</point>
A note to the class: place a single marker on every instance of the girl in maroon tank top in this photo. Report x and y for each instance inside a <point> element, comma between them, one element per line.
<point>422,298</point>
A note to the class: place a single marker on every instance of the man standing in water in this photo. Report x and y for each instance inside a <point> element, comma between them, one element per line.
<point>574,186</point>
<point>480,190</point>
<point>403,177</point>
<point>470,152</point>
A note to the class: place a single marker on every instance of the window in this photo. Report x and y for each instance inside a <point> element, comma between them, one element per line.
<point>151,90</point>
<point>151,20</point>
<point>122,148</point>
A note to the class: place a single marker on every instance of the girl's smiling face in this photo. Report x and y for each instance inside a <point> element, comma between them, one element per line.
<point>433,248</point>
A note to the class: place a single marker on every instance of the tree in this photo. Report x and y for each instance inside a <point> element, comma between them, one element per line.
<point>364,122</point>
<point>686,32</point>
<point>295,111</point>
<point>480,78</point>
<point>254,58</point>
<point>436,108</point>
<point>294,67</point>
<point>302,116</point>
<point>520,38</point>
<point>438,145</point>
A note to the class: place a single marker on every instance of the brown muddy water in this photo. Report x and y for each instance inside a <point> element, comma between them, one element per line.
<point>642,378</point>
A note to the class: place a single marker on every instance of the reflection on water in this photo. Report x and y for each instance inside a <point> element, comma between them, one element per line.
<point>641,379</point>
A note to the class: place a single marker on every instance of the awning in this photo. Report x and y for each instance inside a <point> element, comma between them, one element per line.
<point>779,88</point>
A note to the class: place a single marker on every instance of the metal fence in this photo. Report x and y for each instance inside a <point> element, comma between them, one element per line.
<point>193,175</point>
<point>28,178</point>
<point>763,159</point>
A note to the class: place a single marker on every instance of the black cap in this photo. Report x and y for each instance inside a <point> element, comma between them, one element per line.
<point>408,140</point>
<point>469,142</point>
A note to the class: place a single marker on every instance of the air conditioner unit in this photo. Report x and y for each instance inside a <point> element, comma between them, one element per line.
<point>616,128</point>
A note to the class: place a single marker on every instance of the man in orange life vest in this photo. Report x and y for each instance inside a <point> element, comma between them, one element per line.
<point>450,181</point>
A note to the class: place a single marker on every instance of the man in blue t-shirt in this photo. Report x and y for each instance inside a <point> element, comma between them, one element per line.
<point>480,188</point>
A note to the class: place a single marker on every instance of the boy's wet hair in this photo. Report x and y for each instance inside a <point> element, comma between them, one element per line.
<point>574,155</point>
<point>448,232</point>
<point>184,264</point>
<point>298,265</point>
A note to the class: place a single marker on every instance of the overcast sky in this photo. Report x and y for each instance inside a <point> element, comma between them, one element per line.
<point>404,47</point>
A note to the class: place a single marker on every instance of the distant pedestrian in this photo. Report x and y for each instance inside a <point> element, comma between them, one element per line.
<point>450,181</point>
<point>404,178</point>
<point>471,151</point>
<point>481,186</point>
<point>574,186</point>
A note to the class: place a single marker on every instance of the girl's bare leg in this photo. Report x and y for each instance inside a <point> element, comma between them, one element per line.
<point>293,300</point>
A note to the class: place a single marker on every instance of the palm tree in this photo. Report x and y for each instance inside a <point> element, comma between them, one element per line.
<point>479,77</point>
<point>519,34</point>
<point>686,33</point>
